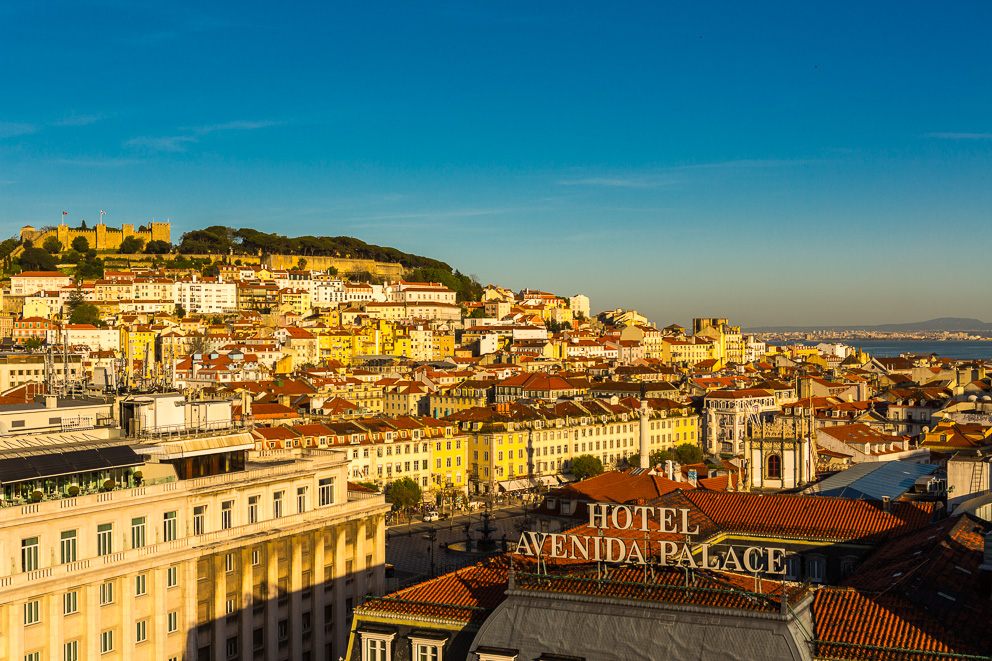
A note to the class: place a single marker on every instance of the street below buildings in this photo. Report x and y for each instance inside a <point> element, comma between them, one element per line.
<point>408,546</point>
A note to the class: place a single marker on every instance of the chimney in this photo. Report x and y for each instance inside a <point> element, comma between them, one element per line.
<point>886,504</point>
<point>51,402</point>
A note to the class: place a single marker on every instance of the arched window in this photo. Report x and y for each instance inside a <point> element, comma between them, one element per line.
<point>774,467</point>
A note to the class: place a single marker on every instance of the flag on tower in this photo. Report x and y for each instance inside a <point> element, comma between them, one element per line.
<point>65,213</point>
<point>103,213</point>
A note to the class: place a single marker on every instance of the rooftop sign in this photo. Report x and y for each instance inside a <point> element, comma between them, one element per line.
<point>603,547</point>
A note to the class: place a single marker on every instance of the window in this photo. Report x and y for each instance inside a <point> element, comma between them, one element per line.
<point>815,569</point>
<point>231,606</point>
<point>173,622</point>
<point>426,652</point>
<point>70,651</point>
<point>105,539</point>
<point>170,526</point>
<point>774,467</point>
<point>32,612</point>
<point>106,593</point>
<point>172,577</point>
<point>199,519</point>
<point>106,641</point>
<point>137,532</point>
<point>226,514</point>
<point>277,504</point>
<point>256,557</point>
<point>282,629</point>
<point>68,546</point>
<point>792,567</point>
<point>229,562</point>
<point>301,499</point>
<point>140,585</point>
<point>253,509</point>
<point>33,656</point>
<point>141,631</point>
<point>70,603</point>
<point>326,491</point>
<point>29,554</point>
<point>231,647</point>
<point>375,650</point>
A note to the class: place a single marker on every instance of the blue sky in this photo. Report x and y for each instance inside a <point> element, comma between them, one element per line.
<point>795,163</point>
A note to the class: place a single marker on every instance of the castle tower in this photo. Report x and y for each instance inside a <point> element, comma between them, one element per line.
<point>101,236</point>
<point>162,232</point>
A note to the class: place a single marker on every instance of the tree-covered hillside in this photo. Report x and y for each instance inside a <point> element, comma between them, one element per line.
<point>247,241</point>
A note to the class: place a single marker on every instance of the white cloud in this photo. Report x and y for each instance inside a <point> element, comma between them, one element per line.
<point>77,120</point>
<point>619,182</point>
<point>238,125</point>
<point>174,143</point>
<point>961,136</point>
<point>12,129</point>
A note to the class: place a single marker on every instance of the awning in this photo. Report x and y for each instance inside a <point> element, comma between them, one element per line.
<point>196,447</point>
<point>40,466</point>
<point>526,483</point>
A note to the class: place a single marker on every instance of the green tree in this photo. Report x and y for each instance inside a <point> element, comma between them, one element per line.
<point>368,484</point>
<point>80,244</point>
<point>180,310</point>
<point>688,453</point>
<point>586,465</point>
<point>32,343</point>
<point>75,300</point>
<point>36,259</point>
<point>331,271</point>
<point>86,313</point>
<point>158,247</point>
<point>404,494</point>
<point>301,264</point>
<point>89,268</point>
<point>657,457</point>
<point>131,245</point>
<point>71,257</point>
<point>478,313</point>
<point>52,245</point>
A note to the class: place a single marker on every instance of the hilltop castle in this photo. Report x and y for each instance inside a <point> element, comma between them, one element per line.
<point>100,237</point>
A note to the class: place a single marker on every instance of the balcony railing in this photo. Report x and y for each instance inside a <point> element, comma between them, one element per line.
<point>344,509</point>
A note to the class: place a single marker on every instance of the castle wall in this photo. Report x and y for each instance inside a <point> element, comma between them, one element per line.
<point>344,266</point>
<point>100,237</point>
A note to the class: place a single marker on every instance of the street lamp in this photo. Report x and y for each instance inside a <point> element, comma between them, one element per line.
<point>432,537</point>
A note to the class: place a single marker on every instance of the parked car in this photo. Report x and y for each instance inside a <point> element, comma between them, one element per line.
<point>431,516</point>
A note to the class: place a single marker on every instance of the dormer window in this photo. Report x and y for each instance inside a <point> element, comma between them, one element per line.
<point>496,654</point>
<point>377,644</point>
<point>427,645</point>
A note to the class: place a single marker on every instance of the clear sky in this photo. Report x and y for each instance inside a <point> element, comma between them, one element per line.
<point>798,163</point>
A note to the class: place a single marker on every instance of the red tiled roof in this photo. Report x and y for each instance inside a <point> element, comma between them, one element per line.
<point>469,594</point>
<point>853,625</point>
<point>272,411</point>
<point>830,518</point>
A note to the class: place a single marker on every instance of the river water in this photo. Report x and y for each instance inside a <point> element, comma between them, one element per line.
<point>958,350</point>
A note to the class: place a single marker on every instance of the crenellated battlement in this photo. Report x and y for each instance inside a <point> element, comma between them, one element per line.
<point>100,237</point>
